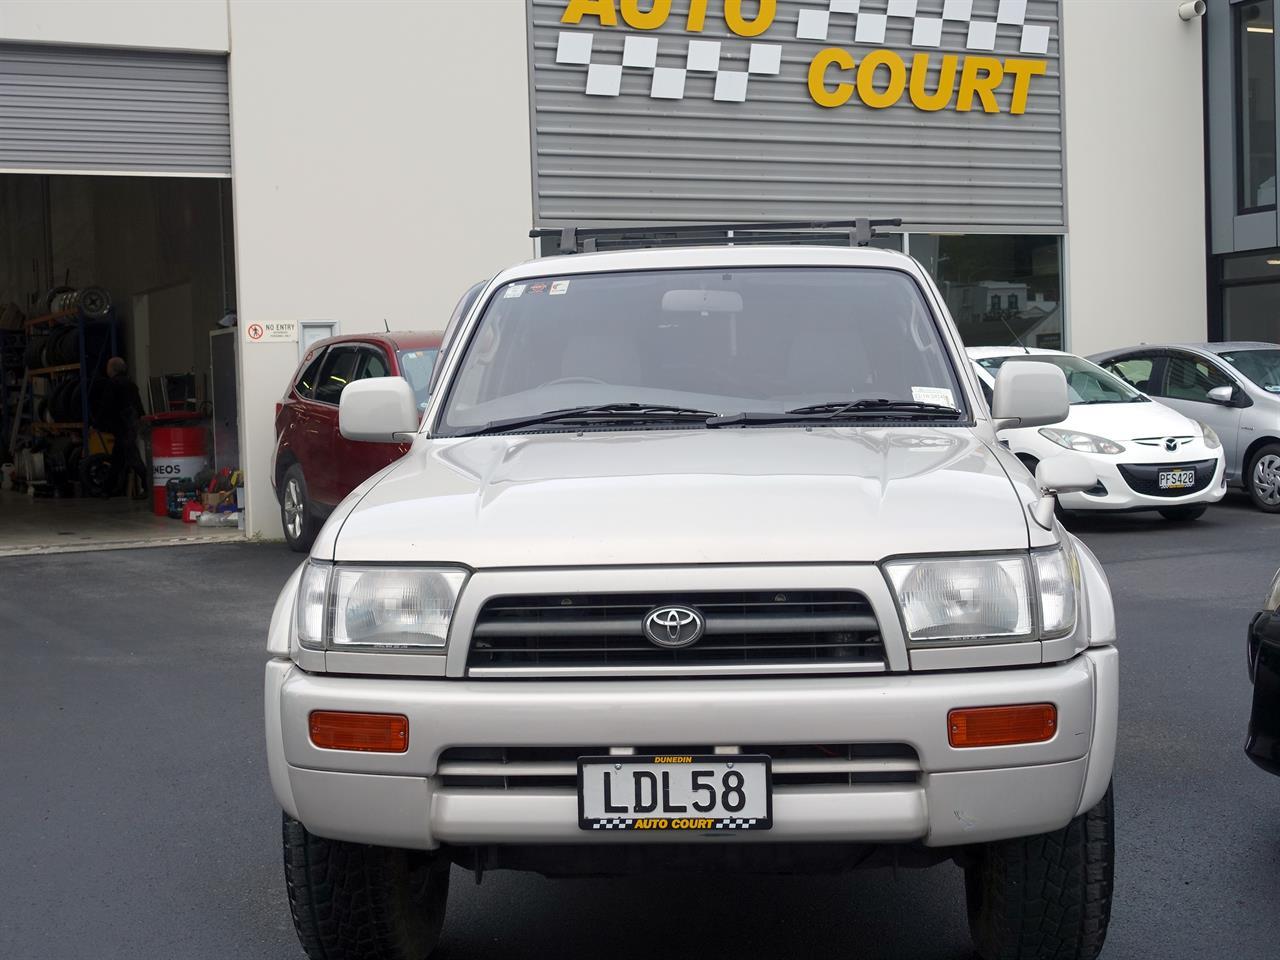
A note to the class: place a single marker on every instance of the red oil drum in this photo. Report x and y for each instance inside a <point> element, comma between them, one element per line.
<point>176,453</point>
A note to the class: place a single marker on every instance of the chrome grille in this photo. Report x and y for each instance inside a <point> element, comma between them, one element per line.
<point>794,765</point>
<point>747,632</point>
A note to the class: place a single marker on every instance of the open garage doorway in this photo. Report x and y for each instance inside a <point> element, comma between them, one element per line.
<point>109,283</point>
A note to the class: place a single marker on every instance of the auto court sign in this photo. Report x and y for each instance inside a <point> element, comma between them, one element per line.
<point>850,67</point>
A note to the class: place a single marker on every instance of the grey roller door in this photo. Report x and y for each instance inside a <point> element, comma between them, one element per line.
<point>630,155</point>
<point>96,110</point>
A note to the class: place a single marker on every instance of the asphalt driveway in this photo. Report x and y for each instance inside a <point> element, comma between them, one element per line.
<point>138,821</point>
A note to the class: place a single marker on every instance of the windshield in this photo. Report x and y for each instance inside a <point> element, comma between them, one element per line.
<point>719,341</point>
<point>1086,382</point>
<point>1260,366</point>
<point>416,366</point>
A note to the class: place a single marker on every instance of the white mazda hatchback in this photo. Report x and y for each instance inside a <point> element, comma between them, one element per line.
<point>1148,456</point>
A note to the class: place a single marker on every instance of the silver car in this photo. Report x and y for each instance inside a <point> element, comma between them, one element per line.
<point>1233,387</point>
<point>700,559</point>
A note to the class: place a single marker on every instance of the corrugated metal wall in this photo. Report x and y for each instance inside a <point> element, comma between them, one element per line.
<point>91,110</point>
<point>778,155</point>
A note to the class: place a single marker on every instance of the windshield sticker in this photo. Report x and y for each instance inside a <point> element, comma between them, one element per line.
<point>537,288</point>
<point>939,395</point>
<point>513,291</point>
<point>559,288</point>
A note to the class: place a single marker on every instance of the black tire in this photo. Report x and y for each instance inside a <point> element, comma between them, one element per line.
<point>1184,514</point>
<point>299,530</point>
<point>1046,897</point>
<point>351,901</point>
<point>1265,497</point>
<point>94,470</point>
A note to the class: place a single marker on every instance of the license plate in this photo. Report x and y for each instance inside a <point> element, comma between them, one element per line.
<point>675,793</point>
<point>1176,479</point>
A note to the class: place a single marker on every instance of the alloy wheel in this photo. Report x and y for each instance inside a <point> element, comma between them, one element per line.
<point>1266,479</point>
<point>293,509</point>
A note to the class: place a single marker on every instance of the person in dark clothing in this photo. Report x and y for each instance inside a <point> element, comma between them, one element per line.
<point>117,407</point>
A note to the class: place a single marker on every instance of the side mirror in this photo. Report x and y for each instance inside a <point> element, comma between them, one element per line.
<point>1029,394</point>
<point>378,410</point>
<point>1065,473</point>
<point>1222,395</point>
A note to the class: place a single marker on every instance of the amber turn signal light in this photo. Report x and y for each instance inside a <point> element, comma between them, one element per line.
<point>1002,726</point>
<point>372,732</point>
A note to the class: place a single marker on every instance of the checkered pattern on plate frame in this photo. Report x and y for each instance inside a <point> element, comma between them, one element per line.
<point>735,823</point>
<point>856,21</point>
<point>617,823</point>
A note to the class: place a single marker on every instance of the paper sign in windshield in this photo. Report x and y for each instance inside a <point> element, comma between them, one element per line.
<point>939,395</point>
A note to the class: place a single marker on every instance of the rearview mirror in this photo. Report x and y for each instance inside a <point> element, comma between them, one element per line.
<point>378,410</point>
<point>1222,394</point>
<point>1029,394</point>
<point>702,301</point>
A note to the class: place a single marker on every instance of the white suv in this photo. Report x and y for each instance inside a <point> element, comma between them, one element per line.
<point>700,559</point>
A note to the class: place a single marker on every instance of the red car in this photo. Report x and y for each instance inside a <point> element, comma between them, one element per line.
<point>315,466</point>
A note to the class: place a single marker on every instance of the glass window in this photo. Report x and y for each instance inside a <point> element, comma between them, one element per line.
<point>416,366</point>
<point>306,384</point>
<point>1087,383</point>
<point>723,340</point>
<point>375,365</point>
<point>1252,312</point>
<point>340,365</point>
<point>1135,371</point>
<point>1001,290</point>
<point>1260,366</point>
<point>1188,378</point>
<point>1256,97</point>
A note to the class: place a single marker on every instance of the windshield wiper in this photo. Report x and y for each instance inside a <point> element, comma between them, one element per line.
<point>625,412</point>
<point>841,410</point>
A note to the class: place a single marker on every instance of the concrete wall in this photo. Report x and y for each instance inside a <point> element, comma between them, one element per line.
<point>161,24</point>
<point>381,166</point>
<point>1135,174</point>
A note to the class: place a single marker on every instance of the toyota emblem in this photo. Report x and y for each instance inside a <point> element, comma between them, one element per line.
<point>674,627</point>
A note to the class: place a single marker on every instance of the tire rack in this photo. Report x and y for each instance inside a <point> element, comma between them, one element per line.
<point>85,367</point>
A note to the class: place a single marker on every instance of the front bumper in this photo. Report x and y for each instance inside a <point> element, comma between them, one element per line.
<point>957,796</point>
<point>1121,496</point>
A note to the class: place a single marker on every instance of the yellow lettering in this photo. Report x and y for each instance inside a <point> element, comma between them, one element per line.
<point>602,10</point>
<point>763,20</point>
<point>938,100</point>
<point>823,95</point>
<point>1023,71</point>
<point>867,92</point>
<point>697,16</point>
<point>650,19</point>
<point>984,84</point>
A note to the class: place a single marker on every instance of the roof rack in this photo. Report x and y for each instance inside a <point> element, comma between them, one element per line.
<point>853,233</point>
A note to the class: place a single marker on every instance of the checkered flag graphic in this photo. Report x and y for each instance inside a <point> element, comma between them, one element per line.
<point>736,823</point>
<point>869,25</point>
<point>617,823</point>
<point>574,47</point>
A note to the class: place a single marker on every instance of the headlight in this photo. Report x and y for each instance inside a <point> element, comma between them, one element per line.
<point>1211,440</point>
<point>1081,442</point>
<point>350,606</point>
<point>986,599</point>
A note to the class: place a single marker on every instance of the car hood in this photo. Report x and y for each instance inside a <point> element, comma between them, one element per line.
<point>1129,421</point>
<point>759,495</point>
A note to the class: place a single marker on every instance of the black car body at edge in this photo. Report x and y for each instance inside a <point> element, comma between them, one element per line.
<point>1263,745</point>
